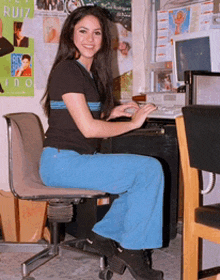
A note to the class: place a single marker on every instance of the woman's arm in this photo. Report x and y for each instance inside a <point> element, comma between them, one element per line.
<point>92,128</point>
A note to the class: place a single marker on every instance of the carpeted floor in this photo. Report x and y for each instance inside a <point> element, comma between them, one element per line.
<point>79,266</point>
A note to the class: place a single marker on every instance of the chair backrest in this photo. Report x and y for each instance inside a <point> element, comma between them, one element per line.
<point>199,146</point>
<point>25,136</point>
<point>202,124</point>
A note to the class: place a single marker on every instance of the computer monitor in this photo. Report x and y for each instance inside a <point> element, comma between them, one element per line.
<point>195,51</point>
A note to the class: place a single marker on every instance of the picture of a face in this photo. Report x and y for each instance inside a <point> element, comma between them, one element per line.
<point>51,29</point>
<point>71,5</point>
<point>25,63</point>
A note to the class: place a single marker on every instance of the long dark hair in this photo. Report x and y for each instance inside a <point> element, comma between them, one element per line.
<point>101,66</point>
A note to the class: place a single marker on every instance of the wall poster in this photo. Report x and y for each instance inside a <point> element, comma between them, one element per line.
<point>16,49</point>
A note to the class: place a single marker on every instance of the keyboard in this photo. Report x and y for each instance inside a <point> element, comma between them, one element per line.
<point>163,112</point>
<point>166,112</point>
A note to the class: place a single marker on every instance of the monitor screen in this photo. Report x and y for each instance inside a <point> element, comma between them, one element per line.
<point>192,54</point>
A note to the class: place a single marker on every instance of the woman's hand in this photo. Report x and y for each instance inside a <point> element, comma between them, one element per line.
<point>19,72</point>
<point>125,110</point>
<point>140,115</point>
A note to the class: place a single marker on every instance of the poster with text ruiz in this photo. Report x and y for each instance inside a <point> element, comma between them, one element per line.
<point>16,49</point>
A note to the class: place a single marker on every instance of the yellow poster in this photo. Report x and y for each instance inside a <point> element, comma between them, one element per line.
<point>16,49</point>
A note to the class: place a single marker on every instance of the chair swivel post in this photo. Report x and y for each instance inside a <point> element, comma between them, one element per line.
<point>58,212</point>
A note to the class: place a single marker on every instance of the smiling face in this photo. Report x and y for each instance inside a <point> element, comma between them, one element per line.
<point>25,63</point>
<point>88,39</point>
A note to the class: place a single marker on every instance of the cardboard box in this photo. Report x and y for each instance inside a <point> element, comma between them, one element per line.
<point>22,220</point>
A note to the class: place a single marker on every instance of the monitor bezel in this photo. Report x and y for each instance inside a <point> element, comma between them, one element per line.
<point>214,41</point>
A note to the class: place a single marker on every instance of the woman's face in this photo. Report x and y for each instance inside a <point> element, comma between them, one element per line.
<point>88,38</point>
<point>25,63</point>
<point>121,46</point>
<point>18,32</point>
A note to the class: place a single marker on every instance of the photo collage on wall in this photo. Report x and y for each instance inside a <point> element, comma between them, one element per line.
<point>122,64</point>
<point>174,22</point>
<point>32,30</point>
<point>16,49</point>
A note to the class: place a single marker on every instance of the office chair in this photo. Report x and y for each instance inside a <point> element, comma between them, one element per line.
<point>199,144</point>
<point>25,138</point>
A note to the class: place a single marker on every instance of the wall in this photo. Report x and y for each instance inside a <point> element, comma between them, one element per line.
<point>143,53</point>
<point>141,18</point>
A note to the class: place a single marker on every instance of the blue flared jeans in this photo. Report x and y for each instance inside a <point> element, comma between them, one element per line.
<point>135,217</point>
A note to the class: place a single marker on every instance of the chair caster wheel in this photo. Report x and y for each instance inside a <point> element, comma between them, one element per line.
<point>28,278</point>
<point>80,245</point>
<point>105,274</point>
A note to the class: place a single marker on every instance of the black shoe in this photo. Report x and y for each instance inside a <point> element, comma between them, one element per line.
<point>104,246</point>
<point>1,89</point>
<point>135,262</point>
<point>148,257</point>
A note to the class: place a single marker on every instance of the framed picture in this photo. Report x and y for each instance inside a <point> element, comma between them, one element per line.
<point>163,81</point>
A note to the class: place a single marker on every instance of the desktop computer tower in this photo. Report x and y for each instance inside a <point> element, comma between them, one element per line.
<point>157,139</point>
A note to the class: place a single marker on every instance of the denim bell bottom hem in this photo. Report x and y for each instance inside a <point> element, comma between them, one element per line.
<point>135,217</point>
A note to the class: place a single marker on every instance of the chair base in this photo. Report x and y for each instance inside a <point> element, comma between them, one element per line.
<point>46,252</point>
<point>11,247</point>
<point>79,245</point>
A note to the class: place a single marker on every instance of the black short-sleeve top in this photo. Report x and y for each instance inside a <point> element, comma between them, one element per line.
<point>70,76</point>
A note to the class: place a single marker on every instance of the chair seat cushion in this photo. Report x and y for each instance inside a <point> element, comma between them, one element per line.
<point>208,215</point>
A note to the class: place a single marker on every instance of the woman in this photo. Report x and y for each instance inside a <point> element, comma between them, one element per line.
<point>25,69</point>
<point>79,103</point>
